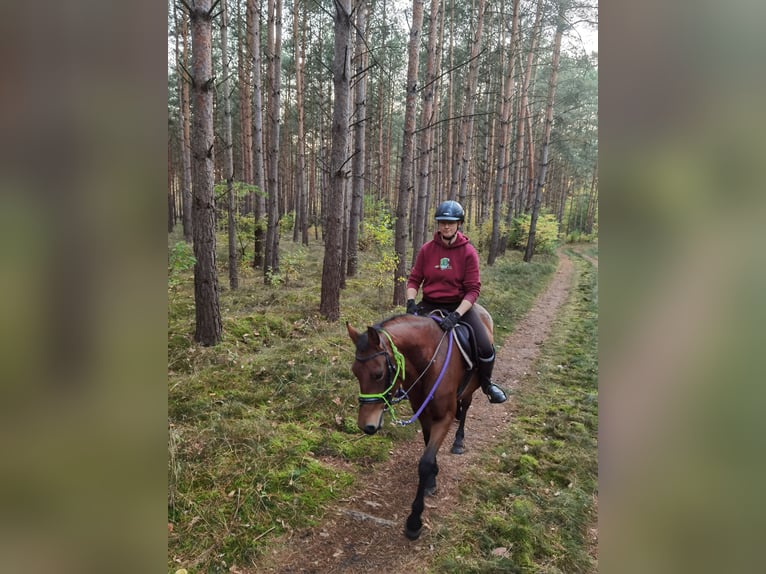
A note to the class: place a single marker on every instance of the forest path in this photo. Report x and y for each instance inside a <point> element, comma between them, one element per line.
<point>364,532</point>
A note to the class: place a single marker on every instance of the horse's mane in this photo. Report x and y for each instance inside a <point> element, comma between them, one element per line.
<point>362,343</point>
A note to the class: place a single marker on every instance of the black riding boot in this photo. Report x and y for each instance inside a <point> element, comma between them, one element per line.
<point>495,393</point>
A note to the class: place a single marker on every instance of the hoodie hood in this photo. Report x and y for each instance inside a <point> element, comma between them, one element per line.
<point>459,241</point>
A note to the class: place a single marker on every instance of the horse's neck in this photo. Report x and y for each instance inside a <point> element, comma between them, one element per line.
<point>414,342</point>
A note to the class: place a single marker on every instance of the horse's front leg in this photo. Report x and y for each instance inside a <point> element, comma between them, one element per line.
<point>427,471</point>
<point>430,483</point>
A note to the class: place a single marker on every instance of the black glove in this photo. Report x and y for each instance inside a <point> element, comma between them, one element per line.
<point>412,308</point>
<point>450,321</point>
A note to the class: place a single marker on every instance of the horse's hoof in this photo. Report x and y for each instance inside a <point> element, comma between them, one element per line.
<point>413,534</point>
<point>457,449</point>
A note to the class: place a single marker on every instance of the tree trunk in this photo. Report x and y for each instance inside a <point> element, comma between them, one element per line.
<point>301,199</point>
<point>463,151</point>
<point>522,120</point>
<point>592,201</point>
<point>546,136</point>
<point>504,139</point>
<point>228,153</point>
<point>208,315</point>
<point>360,147</point>
<point>426,129</point>
<point>331,268</point>
<point>245,107</point>
<point>185,121</point>
<point>447,161</point>
<point>259,164</point>
<point>171,203</point>
<point>271,262</point>
<point>405,174</point>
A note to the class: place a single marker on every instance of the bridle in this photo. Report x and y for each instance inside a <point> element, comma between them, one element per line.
<point>392,374</point>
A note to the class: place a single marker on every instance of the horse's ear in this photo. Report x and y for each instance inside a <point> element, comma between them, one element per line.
<point>353,333</point>
<point>373,337</point>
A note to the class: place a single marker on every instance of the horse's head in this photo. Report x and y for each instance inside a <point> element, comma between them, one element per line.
<point>377,378</point>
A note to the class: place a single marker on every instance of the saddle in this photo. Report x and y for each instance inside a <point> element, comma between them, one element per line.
<point>463,336</point>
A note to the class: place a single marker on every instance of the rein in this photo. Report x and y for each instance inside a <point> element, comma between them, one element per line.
<point>400,361</point>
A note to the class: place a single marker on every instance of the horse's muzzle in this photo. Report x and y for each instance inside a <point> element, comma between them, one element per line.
<point>370,422</point>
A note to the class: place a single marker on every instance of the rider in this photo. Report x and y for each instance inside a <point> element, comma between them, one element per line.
<point>447,267</point>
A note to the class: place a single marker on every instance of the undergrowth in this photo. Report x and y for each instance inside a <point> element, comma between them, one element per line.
<point>262,427</point>
<point>532,499</point>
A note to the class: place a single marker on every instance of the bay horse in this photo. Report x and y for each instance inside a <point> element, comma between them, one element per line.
<point>409,356</point>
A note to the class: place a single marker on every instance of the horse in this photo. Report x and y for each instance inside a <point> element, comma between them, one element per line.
<point>409,356</point>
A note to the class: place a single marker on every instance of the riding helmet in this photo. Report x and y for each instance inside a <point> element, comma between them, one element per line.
<point>450,211</point>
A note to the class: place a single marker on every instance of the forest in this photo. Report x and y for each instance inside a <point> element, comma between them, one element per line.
<point>305,120</point>
<point>309,144</point>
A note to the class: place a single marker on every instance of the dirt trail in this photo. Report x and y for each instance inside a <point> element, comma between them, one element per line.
<point>364,533</point>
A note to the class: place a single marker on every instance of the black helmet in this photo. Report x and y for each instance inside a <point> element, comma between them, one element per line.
<point>449,211</point>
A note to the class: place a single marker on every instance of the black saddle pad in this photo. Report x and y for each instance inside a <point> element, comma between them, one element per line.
<point>465,337</point>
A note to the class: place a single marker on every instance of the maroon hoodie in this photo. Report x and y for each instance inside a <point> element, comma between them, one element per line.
<point>448,273</point>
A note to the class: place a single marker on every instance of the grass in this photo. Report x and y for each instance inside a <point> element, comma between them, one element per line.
<point>534,494</point>
<point>262,427</point>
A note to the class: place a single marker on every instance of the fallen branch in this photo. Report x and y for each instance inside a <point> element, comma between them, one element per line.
<point>364,516</point>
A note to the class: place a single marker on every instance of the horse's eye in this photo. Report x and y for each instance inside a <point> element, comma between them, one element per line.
<point>378,376</point>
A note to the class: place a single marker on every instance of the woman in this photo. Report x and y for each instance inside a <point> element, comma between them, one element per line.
<point>447,268</point>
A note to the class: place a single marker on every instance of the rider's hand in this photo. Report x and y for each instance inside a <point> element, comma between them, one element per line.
<point>412,308</point>
<point>449,322</point>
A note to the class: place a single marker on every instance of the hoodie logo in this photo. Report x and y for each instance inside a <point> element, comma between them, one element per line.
<point>444,263</point>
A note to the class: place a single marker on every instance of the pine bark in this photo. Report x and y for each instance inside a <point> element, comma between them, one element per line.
<point>245,105</point>
<point>228,152</point>
<point>208,315</point>
<point>301,229</point>
<point>271,260</point>
<point>185,120</point>
<point>405,173</point>
<point>360,143</point>
<point>331,268</point>
<point>463,151</point>
<point>259,163</point>
<point>427,115</point>
<point>592,200</point>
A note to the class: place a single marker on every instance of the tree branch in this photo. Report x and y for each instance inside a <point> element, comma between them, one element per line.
<point>189,77</point>
<point>476,115</point>
<point>188,8</point>
<point>209,12</point>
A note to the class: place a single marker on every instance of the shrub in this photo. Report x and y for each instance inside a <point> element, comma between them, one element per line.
<point>377,227</point>
<point>180,260</point>
<point>482,237</point>
<point>287,222</point>
<point>546,232</point>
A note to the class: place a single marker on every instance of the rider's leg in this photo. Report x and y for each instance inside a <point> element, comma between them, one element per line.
<point>486,358</point>
<point>495,393</point>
